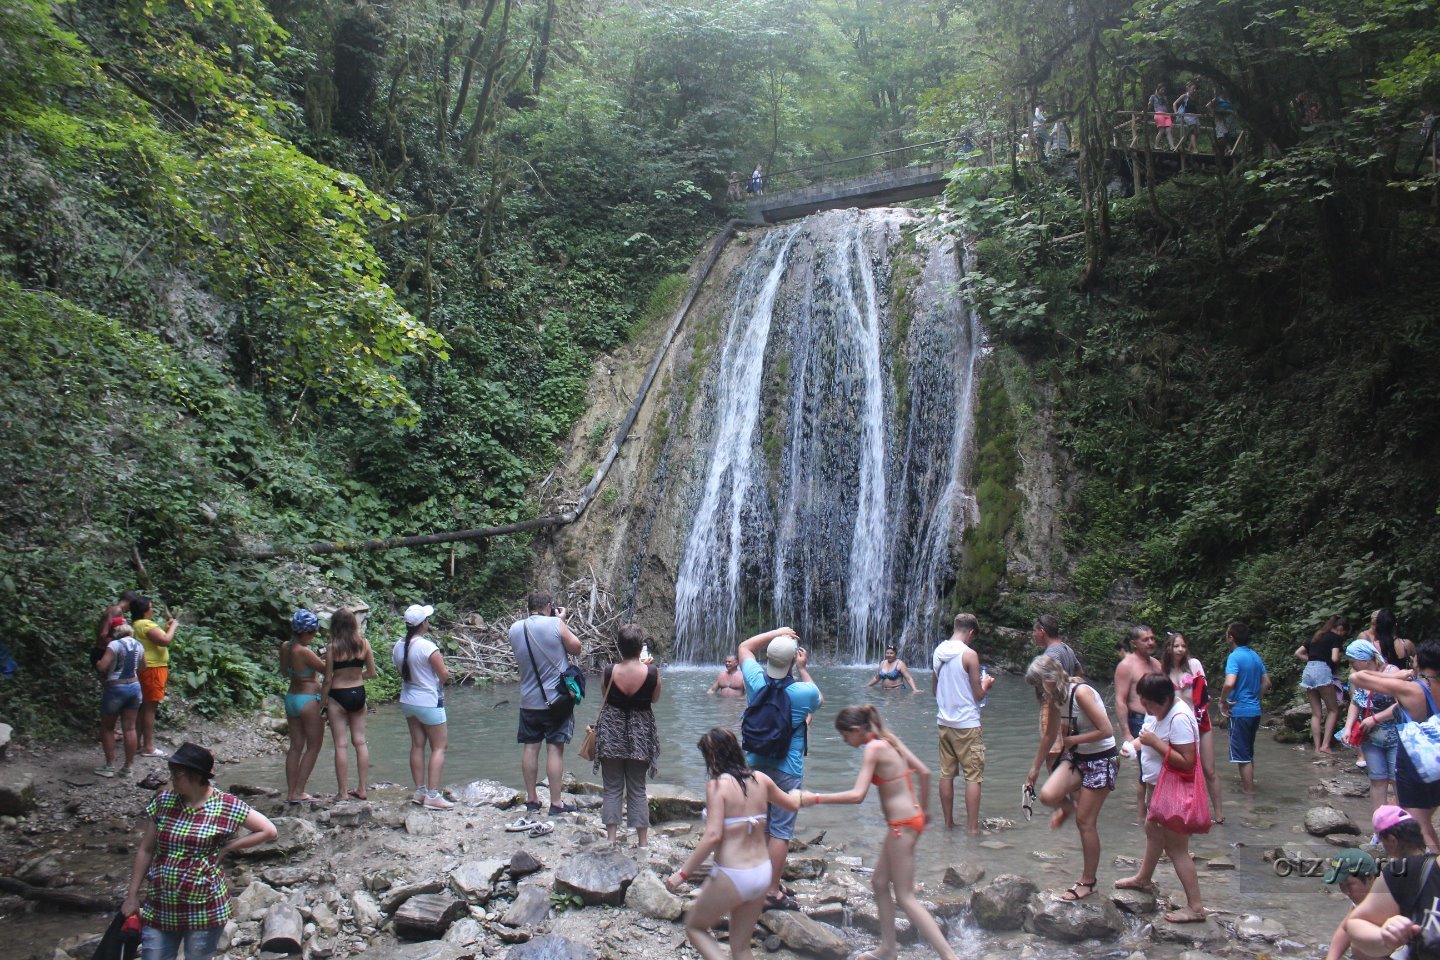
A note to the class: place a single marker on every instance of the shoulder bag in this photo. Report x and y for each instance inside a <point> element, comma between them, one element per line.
<point>569,691</point>
<point>587,746</point>
<point>1420,739</point>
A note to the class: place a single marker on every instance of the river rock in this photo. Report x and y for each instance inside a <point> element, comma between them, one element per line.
<point>296,836</point>
<point>490,793</point>
<point>421,824</point>
<point>283,930</point>
<point>865,916</point>
<point>428,916</point>
<point>947,904</point>
<point>647,895</point>
<point>551,948</point>
<point>474,879</point>
<point>597,878</point>
<point>995,845</point>
<point>255,899</point>
<point>1206,934</point>
<point>350,813</point>
<point>365,910</point>
<point>1048,856</point>
<point>424,950</point>
<point>1353,788</point>
<point>524,863</point>
<point>395,897</point>
<point>964,874</point>
<point>1000,904</point>
<point>1321,821</point>
<point>17,793</point>
<point>531,906</point>
<point>249,790</point>
<point>804,935</point>
<point>41,871</point>
<point>1220,863</point>
<point>1134,902</point>
<point>286,876</point>
<point>804,868</point>
<point>464,932</point>
<point>1071,921</point>
<point>1251,927</point>
<point>668,802</point>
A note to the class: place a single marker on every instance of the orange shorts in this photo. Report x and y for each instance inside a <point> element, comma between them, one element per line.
<point>152,684</point>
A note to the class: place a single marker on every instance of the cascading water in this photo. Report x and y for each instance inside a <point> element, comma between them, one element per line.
<point>834,430</point>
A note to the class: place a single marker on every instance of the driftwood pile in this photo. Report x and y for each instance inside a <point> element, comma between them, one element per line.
<point>483,652</point>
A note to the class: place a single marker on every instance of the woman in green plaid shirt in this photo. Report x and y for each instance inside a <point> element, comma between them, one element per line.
<point>189,828</point>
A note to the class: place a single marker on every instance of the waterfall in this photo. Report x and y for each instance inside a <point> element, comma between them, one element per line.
<point>828,489</point>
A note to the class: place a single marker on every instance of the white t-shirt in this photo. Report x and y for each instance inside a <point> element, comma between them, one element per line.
<point>423,687</point>
<point>955,704</point>
<point>1176,727</point>
<point>128,656</point>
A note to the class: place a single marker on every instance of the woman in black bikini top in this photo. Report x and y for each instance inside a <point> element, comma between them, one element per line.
<point>349,662</point>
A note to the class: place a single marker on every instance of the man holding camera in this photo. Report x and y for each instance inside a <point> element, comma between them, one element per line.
<point>541,643</point>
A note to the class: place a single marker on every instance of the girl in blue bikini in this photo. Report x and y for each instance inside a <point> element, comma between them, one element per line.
<point>735,832</point>
<point>304,668</point>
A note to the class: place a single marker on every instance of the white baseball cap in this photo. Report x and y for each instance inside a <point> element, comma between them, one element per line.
<point>779,656</point>
<point>416,614</point>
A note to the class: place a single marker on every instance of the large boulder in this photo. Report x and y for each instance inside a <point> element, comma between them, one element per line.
<point>1205,934</point>
<point>804,935</point>
<point>530,906</point>
<point>1000,904</point>
<point>669,802</point>
<point>17,793</point>
<point>596,878</point>
<point>255,899</point>
<point>365,911</point>
<point>1134,902</point>
<point>474,879</point>
<point>1323,821</point>
<point>551,948</point>
<point>647,895</point>
<point>421,824</point>
<point>296,836</point>
<point>490,793</point>
<point>964,873</point>
<point>1071,921</point>
<point>804,868</point>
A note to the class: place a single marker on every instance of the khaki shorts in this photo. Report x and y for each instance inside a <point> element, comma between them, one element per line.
<point>962,751</point>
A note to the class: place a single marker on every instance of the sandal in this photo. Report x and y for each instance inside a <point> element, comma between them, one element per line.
<point>1185,916</point>
<point>541,828</point>
<point>1074,893</point>
<point>1027,801</point>
<point>555,810</point>
<point>520,825</point>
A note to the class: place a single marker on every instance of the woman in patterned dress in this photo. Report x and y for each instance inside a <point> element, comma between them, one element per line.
<point>626,741</point>
<point>188,829</point>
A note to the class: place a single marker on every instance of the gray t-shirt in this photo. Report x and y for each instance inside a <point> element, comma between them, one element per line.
<point>549,657</point>
<point>1061,651</point>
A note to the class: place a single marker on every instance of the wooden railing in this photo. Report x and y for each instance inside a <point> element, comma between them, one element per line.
<point>1200,134</point>
<point>913,155</point>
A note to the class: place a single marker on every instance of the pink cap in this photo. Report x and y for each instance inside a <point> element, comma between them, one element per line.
<point>1389,816</point>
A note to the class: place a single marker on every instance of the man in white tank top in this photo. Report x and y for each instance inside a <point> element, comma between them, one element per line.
<point>959,688</point>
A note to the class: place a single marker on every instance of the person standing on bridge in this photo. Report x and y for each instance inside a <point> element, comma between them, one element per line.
<point>1159,107</point>
<point>1187,108</point>
<point>757,181</point>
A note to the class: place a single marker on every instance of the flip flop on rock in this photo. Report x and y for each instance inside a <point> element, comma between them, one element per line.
<point>520,825</point>
<point>542,828</point>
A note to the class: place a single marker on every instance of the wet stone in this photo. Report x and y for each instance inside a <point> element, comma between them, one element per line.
<point>1134,902</point>
<point>964,874</point>
<point>1073,921</point>
<point>1251,927</point>
<point>1000,904</point>
<point>551,948</point>
<point>804,935</point>
<point>1325,820</point>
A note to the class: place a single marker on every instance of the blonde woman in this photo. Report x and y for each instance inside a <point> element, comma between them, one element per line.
<point>1084,773</point>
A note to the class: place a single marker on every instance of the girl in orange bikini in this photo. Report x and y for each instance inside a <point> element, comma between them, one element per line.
<point>890,766</point>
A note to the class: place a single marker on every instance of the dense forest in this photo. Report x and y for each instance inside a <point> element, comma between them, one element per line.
<point>278,272</point>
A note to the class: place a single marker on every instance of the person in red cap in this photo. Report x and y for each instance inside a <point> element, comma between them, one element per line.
<point>1404,906</point>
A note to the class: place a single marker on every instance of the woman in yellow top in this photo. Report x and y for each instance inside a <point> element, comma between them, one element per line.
<point>156,673</point>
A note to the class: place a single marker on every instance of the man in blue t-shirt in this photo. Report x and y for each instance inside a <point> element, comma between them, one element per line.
<point>1245,682</point>
<point>781,649</point>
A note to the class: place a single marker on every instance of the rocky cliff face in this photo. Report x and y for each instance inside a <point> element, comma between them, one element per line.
<point>802,458</point>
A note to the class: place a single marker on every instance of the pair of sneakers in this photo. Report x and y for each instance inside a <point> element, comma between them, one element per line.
<point>108,772</point>
<point>430,799</point>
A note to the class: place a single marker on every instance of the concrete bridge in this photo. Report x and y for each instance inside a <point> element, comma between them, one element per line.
<point>869,190</point>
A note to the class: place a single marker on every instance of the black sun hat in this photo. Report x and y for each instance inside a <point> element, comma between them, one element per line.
<point>193,757</point>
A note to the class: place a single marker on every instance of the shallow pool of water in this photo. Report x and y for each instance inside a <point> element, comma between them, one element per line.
<point>482,724</point>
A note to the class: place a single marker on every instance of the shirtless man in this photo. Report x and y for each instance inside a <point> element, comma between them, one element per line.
<point>729,682</point>
<point>1140,642</point>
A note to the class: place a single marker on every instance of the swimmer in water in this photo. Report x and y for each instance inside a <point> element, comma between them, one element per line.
<point>893,674</point>
<point>729,682</point>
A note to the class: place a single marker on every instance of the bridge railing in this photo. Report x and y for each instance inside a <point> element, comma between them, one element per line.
<point>1134,127</point>
<point>913,155</point>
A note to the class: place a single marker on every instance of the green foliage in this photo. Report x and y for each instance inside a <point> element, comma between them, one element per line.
<point>980,576</point>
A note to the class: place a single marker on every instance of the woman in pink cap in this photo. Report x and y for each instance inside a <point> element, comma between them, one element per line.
<point>1399,905</point>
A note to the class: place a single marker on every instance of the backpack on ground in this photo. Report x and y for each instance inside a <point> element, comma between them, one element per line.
<point>765,728</point>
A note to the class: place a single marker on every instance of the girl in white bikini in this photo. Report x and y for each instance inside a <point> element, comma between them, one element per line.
<point>736,799</point>
<point>894,770</point>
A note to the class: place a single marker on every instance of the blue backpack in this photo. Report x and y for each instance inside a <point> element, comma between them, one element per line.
<point>765,729</point>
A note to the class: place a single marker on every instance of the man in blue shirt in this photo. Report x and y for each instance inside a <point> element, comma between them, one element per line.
<point>782,650</point>
<point>1245,682</point>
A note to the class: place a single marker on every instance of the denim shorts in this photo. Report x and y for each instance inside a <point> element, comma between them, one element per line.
<point>1317,674</point>
<point>429,716</point>
<point>1242,739</point>
<point>165,944</point>
<point>781,822</point>
<point>119,697</point>
<point>1380,760</point>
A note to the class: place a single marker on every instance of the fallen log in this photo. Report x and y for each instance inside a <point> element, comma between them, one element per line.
<point>64,899</point>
